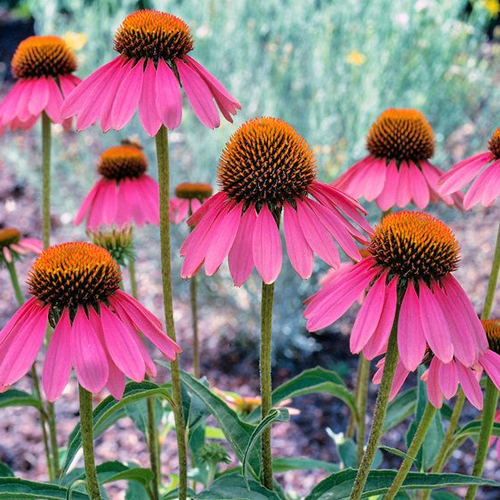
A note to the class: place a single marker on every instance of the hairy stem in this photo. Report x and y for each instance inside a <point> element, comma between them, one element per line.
<point>46,147</point>
<point>196,341</point>
<point>166,271</point>
<point>361,401</point>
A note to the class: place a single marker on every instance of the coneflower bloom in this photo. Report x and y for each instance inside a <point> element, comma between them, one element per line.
<point>189,196</point>
<point>412,256</point>
<point>265,169</point>
<point>125,194</point>
<point>397,170</point>
<point>44,67</point>
<point>443,379</point>
<point>148,75</point>
<point>13,246</point>
<point>483,169</point>
<point>76,288</point>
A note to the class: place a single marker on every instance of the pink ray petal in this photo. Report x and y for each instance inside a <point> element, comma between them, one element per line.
<point>434,391</point>
<point>39,96</point>
<point>57,366</point>
<point>88,355</point>
<point>490,361</point>
<point>168,96</point>
<point>462,173</point>
<point>448,379</point>
<point>404,190</point>
<point>147,104</point>
<point>470,386</point>
<point>389,195</point>
<point>205,208</point>
<point>266,246</point>
<point>54,103</point>
<point>419,189</point>
<point>87,204</point>
<point>300,253</point>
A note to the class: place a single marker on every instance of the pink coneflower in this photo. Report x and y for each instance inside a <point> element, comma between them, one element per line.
<point>125,194</point>
<point>397,170</point>
<point>44,67</point>
<point>13,245</point>
<point>412,258</point>
<point>189,197</point>
<point>148,75</point>
<point>483,169</point>
<point>75,287</point>
<point>265,169</point>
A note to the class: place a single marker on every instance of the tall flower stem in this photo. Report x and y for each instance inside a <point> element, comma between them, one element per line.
<point>352,421</point>
<point>361,402</point>
<point>413,450</point>
<point>36,383</point>
<point>193,285</point>
<point>491,396</point>
<point>46,150</point>
<point>488,416</point>
<point>391,361</point>
<point>266,380</point>
<point>166,271</point>
<point>87,430</point>
<point>153,442</point>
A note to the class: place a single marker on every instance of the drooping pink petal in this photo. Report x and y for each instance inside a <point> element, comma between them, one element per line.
<point>57,365</point>
<point>375,179</point>
<point>300,253</point>
<point>433,177</point>
<point>225,230</point>
<point>127,96</point>
<point>463,172</point>
<point>86,205</point>
<point>435,324</point>
<point>377,345</point>
<point>418,187</point>
<point>148,190</point>
<point>54,103</point>
<point>434,391</point>
<point>266,246</point>
<point>168,96</point>
<point>199,95</point>
<point>490,361</point>
<point>351,181</point>
<point>147,104</point>
<point>388,196</point>
<point>448,379</point>
<point>369,315</point>
<point>470,386</point>
<point>240,258</point>
<point>39,95</point>
<point>124,297</point>
<point>205,208</point>
<point>88,356</point>
<point>403,197</point>
<point>411,337</point>
<point>97,210</point>
<point>481,185</point>
<point>492,189</point>
<point>317,235</point>
<point>23,113</point>
<point>9,104</point>
<point>20,346</point>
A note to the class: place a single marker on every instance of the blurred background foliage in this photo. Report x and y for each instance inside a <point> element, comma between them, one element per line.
<point>327,67</point>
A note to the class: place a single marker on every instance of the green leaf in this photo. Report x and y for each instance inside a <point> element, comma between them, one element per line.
<point>444,495</point>
<point>397,452</point>
<point>348,453</point>
<point>339,485</point>
<point>14,488</point>
<point>285,464</point>
<point>138,413</point>
<point>315,380</point>
<point>233,486</point>
<point>109,472</point>
<point>471,429</point>
<point>273,416</point>
<point>14,397</point>
<point>5,470</point>
<point>108,412</point>
<point>237,432</point>
<point>400,409</point>
<point>214,433</point>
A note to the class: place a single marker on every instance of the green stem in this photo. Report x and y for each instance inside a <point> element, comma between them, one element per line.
<point>34,375</point>
<point>361,402</point>
<point>492,283</point>
<point>51,420</point>
<point>87,431</point>
<point>133,281</point>
<point>413,450</point>
<point>266,380</point>
<point>352,421</point>
<point>488,417</point>
<point>391,361</point>
<point>46,146</point>
<point>163,181</point>
<point>196,340</point>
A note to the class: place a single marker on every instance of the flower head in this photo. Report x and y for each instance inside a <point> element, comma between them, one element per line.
<point>125,194</point>
<point>118,242</point>
<point>75,287</point>
<point>13,246</point>
<point>483,170</point>
<point>189,196</point>
<point>44,67</point>
<point>412,258</point>
<point>265,169</point>
<point>148,75</point>
<point>397,170</point>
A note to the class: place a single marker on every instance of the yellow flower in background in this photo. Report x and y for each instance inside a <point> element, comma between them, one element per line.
<point>76,41</point>
<point>492,6</point>
<point>355,58</point>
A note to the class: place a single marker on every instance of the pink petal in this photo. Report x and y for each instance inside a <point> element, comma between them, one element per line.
<point>240,257</point>
<point>54,103</point>
<point>300,253</point>
<point>411,337</point>
<point>434,392</point>
<point>168,96</point>
<point>418,187</point>
<point>369,315</point>
<point>147,104</point>
<point>39,96</point>
<point>448,379</point>
<point>206,207</point>
<point>490,361</point>
<point>88,356</point>
<point>199,95</point>
<point>470,386</point>
<point>404,189</point>
<point>389,195</point>
<point>57,366</point>
<point>435,324</point>
<point>462,173</point>
<point>87,204</point>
